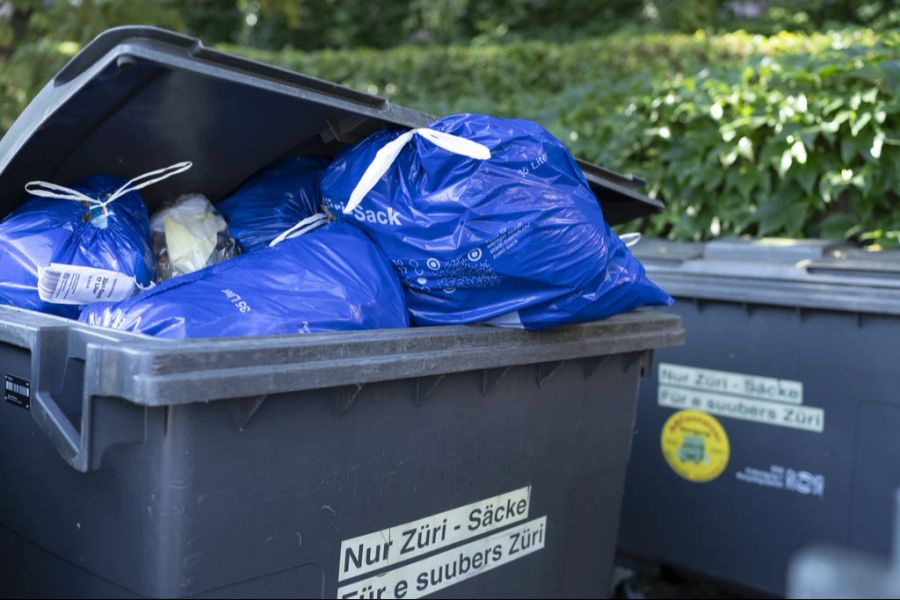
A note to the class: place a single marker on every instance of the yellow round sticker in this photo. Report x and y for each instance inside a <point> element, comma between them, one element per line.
<point>695,445</point>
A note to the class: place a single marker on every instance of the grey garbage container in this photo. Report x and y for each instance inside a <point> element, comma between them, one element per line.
<point>789,380</point>
<point>446,461</point>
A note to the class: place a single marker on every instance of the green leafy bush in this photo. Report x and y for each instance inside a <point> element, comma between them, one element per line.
<point>447,78</point>
<point>24,72</point>
<point>317,24</point>
<point>804,145</point>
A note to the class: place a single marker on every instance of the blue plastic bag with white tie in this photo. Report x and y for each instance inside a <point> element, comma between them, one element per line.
<point>487,220</point>
<point>66,247</point>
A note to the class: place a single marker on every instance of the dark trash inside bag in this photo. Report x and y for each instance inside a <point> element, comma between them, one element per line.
<point>189,235</point>
<point>330,279</point>
<point>487,219</point>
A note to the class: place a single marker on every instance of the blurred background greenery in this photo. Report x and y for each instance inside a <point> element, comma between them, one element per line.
<point>750,117</point>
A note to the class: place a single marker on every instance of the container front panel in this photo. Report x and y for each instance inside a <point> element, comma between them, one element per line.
<point>481,484</point>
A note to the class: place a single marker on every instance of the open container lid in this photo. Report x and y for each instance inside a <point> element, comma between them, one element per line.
<point>140,98</point>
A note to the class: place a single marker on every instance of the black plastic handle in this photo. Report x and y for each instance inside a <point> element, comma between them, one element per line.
<point>50,353</point>
<point>59,387</point>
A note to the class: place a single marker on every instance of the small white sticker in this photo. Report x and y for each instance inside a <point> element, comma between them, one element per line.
<point>725,382</point>
<point>73,284</point>
<point>387,547</point>
<point>782,478</point>
<point>769,413</point>
<point>755,398</point>
<point>453,566</point>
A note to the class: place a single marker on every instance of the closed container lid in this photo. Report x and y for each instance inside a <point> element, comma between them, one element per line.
<point>823,274</point>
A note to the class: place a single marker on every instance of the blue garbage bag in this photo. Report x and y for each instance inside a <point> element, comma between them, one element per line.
<point>330,279</point>
<point>272,201</point>
<point>55,236</point>
<point>487,220</point>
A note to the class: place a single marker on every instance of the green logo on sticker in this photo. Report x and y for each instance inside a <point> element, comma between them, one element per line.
<point>692,449</point>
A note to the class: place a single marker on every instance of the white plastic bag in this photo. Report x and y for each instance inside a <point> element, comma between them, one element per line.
<point>188,236</point>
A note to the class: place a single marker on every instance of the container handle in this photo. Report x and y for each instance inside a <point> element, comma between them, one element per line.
<point>68,441</point>
<point>105,422</point>
<point>51,349</point>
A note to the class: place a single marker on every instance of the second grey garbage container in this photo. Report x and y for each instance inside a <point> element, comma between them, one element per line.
<point>777,426</point>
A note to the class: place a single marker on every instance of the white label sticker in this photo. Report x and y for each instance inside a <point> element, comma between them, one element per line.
<point>444,569</point>
<point>72,284</point>
<point>734,384</point>
<point>782,478</point>
<point>770,413</point>
<point>393,545</point>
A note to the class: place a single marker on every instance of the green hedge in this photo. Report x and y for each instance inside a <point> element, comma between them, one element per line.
<point>804,145</point>
<point>450,77</point>
<point>793,135</point>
